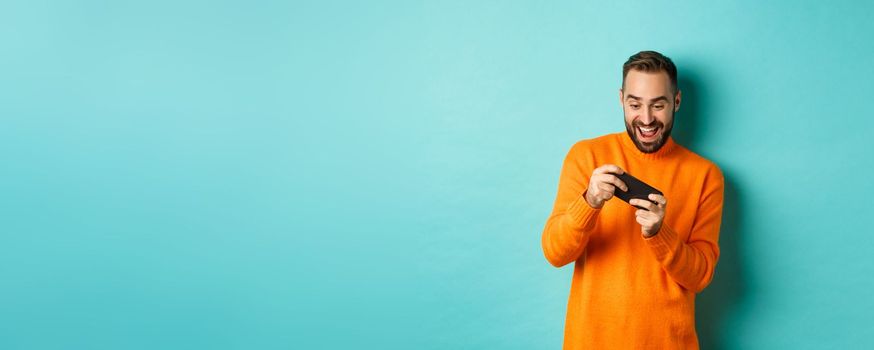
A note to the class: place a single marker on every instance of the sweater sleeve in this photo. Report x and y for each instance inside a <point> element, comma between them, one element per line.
<point>568,227</point>
<point>692,263</point>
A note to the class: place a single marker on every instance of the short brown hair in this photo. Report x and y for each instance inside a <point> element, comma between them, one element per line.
<point>651,62</point>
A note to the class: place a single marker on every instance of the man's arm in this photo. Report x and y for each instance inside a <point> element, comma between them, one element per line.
<point>692,264</point>
<point>568,227</point>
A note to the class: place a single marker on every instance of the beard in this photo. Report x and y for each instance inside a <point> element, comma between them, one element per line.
<point>650,147</point>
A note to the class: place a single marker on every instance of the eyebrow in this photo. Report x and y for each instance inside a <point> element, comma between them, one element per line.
<point>660,98</point>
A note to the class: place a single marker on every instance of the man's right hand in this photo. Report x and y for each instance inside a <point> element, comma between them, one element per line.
<point>603,183</point>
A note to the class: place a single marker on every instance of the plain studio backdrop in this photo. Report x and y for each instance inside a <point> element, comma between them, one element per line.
<point>298,175</point>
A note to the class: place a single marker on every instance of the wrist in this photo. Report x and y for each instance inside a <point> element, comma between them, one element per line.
<point>590,202</point>
<point>655,232</point>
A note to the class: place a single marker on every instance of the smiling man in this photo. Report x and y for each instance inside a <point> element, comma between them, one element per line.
<point>636,271</point>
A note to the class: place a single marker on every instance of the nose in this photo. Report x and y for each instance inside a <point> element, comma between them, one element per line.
<point>646,116</point>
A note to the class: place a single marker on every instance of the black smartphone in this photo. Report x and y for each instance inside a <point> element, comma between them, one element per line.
<point>636,189</point>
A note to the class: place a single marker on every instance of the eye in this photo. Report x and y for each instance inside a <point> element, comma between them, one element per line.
<point>659,107</point>
<point>634,106</point>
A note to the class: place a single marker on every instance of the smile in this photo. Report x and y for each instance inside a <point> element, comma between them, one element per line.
<point>647,132</point>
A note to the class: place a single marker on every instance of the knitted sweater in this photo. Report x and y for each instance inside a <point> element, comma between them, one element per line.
<point>631,292</point>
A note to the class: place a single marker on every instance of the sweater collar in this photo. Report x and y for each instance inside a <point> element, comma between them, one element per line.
<point>663,152</point>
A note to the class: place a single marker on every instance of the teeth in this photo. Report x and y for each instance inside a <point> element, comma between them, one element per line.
<point>647,130</point>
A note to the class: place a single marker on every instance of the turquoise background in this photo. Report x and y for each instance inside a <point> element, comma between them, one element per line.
<point>278,175</point>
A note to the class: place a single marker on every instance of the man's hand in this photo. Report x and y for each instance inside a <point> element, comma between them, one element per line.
<point>603,183</point>
<point>650,220</point>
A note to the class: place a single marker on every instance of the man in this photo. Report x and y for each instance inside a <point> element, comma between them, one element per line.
<point>636,271</point>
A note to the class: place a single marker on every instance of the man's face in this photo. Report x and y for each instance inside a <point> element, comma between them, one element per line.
<point>649,105</point>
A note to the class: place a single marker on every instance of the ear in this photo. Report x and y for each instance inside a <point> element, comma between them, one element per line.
<point>677,100</point>
<point>621,98</point>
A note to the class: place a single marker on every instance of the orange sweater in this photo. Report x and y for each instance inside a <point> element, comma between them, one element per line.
<point>628,291</point>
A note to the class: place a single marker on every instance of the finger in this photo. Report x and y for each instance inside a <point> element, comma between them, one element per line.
<point>605,179</point>
<point>607,188</point>
<point>646,214</point>
<point>649,206</point>
<point>615,181</point>
<point>643,221</point>
<point>654,213</point>
<point>661,200</point>
<point>609,168</point>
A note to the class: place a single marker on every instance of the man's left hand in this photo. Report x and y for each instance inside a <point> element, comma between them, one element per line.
<point>650,220</point>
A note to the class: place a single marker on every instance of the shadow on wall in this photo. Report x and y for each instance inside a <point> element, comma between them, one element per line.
<point>726,292</point>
